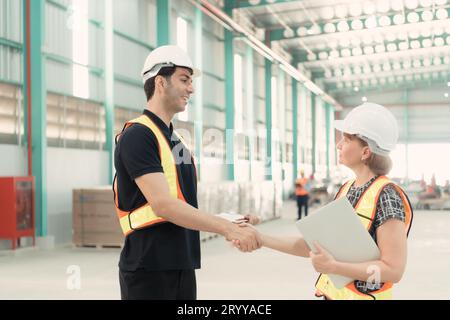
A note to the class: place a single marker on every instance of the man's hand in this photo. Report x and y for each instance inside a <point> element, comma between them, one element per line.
<point>245,237</point>
<point>322,261</point>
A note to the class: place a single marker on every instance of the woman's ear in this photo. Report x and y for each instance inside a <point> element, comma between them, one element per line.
<point>366,153</point>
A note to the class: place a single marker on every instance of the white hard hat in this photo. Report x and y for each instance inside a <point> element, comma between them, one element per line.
<point>372,123</point>
<point>166,56</point>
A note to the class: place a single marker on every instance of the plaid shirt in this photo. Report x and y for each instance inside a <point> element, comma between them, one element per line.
<point>389,206</point>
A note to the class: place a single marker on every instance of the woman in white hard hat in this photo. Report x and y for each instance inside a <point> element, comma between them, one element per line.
<point>370,132</point>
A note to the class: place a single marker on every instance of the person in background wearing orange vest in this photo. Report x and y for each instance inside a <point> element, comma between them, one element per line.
<point>370,132</point>
<point>301,186</point>
<point>155,190</point>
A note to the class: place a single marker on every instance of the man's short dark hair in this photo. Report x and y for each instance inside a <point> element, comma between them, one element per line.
<point>149,86</point>
<point>166,72</point>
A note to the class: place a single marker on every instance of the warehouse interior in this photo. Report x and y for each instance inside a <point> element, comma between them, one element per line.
<point>276,74</point>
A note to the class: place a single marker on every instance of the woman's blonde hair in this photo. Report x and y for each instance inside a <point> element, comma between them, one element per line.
<point>380,165</point>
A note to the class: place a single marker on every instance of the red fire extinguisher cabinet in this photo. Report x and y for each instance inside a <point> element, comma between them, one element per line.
<point>17,209</point>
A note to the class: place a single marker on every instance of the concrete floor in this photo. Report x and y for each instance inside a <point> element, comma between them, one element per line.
<point>226,273</point>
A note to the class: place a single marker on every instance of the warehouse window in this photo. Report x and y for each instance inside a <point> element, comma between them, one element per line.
<point>11,114</point>
<point>75,123</point>
<point>122,116</point>
<point>289,154</point>
<point>80,49</point>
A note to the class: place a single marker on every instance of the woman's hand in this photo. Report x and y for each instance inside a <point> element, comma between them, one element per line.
<point>322,261</point>
<point>253,220</point>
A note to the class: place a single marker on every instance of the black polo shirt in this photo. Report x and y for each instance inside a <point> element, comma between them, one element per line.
<point>164,246</point>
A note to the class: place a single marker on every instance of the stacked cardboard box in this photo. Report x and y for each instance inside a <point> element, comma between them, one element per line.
<point>94,218</point>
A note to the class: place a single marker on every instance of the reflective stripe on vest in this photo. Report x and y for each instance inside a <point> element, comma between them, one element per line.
<point>366,210</point>
<point>144,216</point>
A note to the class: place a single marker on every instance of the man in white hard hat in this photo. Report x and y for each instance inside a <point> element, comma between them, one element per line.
<point>156,190</point>
<point>370,133</point>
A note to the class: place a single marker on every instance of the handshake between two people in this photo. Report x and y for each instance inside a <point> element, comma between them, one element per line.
<point>243,235</point>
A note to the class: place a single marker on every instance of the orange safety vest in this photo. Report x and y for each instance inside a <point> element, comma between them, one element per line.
<point>144,216</point>
<point>366,210</point>
<point>300,184</point>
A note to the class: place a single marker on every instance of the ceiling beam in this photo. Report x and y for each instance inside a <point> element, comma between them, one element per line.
<point>438,78</point>
<point>301,55</point>
<point>382,56</point>
<point>377,72</point>
<point>424,65</point>
<point>294,31</point>
<point>336,92</point>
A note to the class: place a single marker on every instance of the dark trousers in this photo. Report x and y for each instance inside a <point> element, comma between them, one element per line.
<point>302,201</point>
<point>158,285</point>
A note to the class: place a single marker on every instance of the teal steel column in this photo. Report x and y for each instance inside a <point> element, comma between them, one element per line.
<point>328,130</point>
<point>294,128</point>
<point>198,123</point>
<point>313,120</point>
<point>303,105</point>
<point>109,85</point>
<point>268,85</point>
<point>229,98</point>
<point>281,87</point>
<point>251,107</point>
<point>163,22</point>
<point>34,82</point>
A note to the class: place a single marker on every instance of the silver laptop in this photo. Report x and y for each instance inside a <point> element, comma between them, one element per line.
<point>338,229</point>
